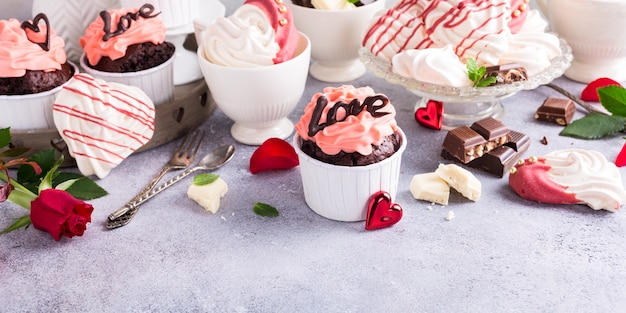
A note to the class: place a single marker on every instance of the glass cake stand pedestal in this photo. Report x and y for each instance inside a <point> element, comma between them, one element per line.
<point>465,105</point>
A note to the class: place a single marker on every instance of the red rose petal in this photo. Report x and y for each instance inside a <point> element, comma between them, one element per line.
<point>621,157</point>
<point>431,116</point>
<point>382,212</point>
<point>273,154</point>
<point>590,93</point>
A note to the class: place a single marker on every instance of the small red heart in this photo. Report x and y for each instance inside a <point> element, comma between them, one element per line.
<point>431,116</point>
<point>621,157</point>
<point>590,93</point>
<point>381,212</point>
<point>273,154</point>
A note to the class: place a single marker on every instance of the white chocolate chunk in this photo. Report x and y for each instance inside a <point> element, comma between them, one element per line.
<point>430,187</point>
<point>460,179</point>
<point>208,195</point>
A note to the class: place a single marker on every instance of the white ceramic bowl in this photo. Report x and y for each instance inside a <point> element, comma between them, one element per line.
<point>342,193</point>
<point>336,37</point>
<point>29,112</point>
<point>595,29</point>
<point>259,99</point>
<point>156,82</point>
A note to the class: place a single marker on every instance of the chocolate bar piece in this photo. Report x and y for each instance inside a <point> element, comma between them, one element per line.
<point>494,131</point>
<point>499,160</point>
<point>518,141</point>
<point>506,73</point>
<point>464,143</point>
<point>556,110</point>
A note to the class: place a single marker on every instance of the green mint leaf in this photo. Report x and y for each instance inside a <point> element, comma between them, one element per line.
<point>593,126</point>
<point>5,137</point>
<point>86,189</point>
<point>477,74</point>
<point>204,179</point>
<point>613,98</point>
<point>23,221</point>
<point>487,81</point>
<point>265,209</point>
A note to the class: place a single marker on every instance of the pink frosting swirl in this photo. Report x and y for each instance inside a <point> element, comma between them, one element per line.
<point>351,132</point>
<point>18,53</point>
<point>140,30</point>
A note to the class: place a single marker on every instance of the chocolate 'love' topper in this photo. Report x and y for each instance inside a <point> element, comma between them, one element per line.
<point>352,108</point>
<point>34,26</point>
<point>125,21</point>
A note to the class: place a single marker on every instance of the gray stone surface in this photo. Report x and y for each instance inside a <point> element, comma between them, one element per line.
<point>500,254</point>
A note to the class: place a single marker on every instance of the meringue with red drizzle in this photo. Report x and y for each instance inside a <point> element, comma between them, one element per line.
<point>570,176</point>
<point>102,123</point>
<point>492,32</point>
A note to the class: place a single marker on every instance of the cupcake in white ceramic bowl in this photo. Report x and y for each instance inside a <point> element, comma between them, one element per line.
<point>128,46</point>
<point>33,69</point>
<point>350,147</point>
<point>255,63</point>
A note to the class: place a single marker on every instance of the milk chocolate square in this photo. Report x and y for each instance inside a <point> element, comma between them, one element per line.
<point>494,131</point>
<point>556,110</point>
<point>464,144</point>
<point>519,141</point>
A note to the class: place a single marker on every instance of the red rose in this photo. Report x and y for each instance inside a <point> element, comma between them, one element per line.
<point>59,213</point>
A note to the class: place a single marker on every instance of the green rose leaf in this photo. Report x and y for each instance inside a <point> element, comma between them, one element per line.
<point>5,137</point>
<point>593,126</point>
<point>204,179</point>
<point>23,221</point>
<point>86,189</point>
<point>11,153</point>
<point>613,98</point>
<point>46,160</point>
<point>265,209</point>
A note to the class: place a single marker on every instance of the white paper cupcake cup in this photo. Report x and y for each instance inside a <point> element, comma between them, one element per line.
<point>342,193</point>
<point>30,112</point>
<point>156,82</point>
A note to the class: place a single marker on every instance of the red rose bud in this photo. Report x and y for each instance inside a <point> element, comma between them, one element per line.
<point>273,154</point>
<point>59,213</point>
<point>621,157</point>
<point>590,93</point>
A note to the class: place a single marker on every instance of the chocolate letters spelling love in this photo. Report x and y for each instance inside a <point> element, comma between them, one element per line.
<point>352,108</point>
<point>125,21</point>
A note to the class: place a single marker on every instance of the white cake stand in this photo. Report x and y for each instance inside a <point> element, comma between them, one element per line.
<point>465,105</point>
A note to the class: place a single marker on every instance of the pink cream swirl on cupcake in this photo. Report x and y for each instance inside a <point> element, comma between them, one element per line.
<point>115,30</point>
<point>347,119</point>
<point>18,53</point>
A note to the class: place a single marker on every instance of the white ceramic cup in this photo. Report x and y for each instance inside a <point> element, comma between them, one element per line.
<point>174,13</point>
<point>259,99</point>
<point>336,37</point>
<point>342,193</point>
<point>596,31</point>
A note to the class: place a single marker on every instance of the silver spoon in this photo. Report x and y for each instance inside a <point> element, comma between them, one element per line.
<point>211,161</point>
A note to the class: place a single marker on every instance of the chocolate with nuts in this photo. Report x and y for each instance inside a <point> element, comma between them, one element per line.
<point>556,110</point>
<point>464,143</point>
<point>506,73</point>
<point>494,131</point>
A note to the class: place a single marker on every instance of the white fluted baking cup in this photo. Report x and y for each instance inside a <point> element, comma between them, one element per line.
<point>156,82</point>
<point>342,193</point>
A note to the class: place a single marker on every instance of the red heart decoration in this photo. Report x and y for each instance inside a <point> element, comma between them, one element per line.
<point>621,157</point>
<point>590,93</point>
<point>431,116</point>
<point>382,212</point>
<point>34,26</point>
<point>273,154</point>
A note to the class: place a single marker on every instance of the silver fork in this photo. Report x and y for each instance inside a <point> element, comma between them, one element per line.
<point>183,156</point>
